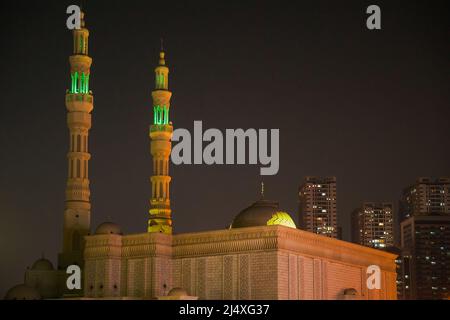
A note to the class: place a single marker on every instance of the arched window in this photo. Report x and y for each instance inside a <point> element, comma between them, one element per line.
<point>155,114</point>
<point>72,81</point>
<point>160,81</point>
<point>82,83</point>
<point>166,115</point>
<point>78,143</point>
<point>87,83</point>
<point>74,77</point>
<point>153,189</point>
<point>78,168</point>
<point>81,45</point>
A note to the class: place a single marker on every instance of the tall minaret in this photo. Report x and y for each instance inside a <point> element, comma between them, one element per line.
<point>161,134</point>
<point>79,104</point>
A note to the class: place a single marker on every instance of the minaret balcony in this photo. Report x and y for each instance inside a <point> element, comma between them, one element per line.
<point>82,102</point>
<point>161,97</point>
<point>161,132</point>
<point>160,204</point>
<point>161,128</point>
<point>79,155</point>
<point>81,62</point>
<point>160,178</point>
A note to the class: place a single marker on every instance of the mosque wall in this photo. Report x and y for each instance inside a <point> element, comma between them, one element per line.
<point>266,262</point>
<point>307,278</point>
<point>228,276</point>
<point>129,266</point>
<point>276,263</point>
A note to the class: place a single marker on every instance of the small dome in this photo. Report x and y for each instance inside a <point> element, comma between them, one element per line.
<point>108,228</point>
<point>22,292</point>
<point>42,265</point>
<point>262,213</point>
<point>177,292</point>
<point>350,292</point>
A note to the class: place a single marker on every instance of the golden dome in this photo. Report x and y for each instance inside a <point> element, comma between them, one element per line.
<point>262,213</point>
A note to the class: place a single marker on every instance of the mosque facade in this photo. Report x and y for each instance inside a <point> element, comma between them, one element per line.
<point>261,255</point>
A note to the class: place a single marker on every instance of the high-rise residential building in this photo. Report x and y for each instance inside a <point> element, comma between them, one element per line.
<point>372,225</point>
<point>426,244</point>
<point>402,269</point>
<point>424,213</point>
<point>425,197</point>
<point>317,206</point>
<point>403,262</point>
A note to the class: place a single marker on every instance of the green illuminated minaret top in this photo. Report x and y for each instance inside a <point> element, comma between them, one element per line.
<point>80,71</point>
<point>161,108</point>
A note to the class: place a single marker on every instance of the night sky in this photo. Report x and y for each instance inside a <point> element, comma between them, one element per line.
<point>370,107</point>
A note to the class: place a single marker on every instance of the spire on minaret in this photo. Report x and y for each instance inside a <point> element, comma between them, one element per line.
<point>82,24</point>
<point>82,5</point>
<point>161,72</point>
<point>162,61</point>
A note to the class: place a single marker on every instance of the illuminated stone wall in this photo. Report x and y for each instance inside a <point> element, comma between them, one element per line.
<point>268,262</point>
<point>276,263</point>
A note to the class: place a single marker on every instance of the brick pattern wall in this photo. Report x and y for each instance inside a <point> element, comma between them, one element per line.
<point>236,276</point>
<point>293,278</point>
<point>263,275</point>
<point>341,276</point>
<point>308,278</point>
<point>214,270</point>
<point>256,263</point>
<point>244,277</point>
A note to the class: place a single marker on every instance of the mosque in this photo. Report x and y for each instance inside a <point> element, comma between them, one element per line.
<point>261,255</point>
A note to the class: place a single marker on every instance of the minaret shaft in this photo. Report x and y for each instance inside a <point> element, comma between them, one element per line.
<point>160,147</point>
<point>79,104</point>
